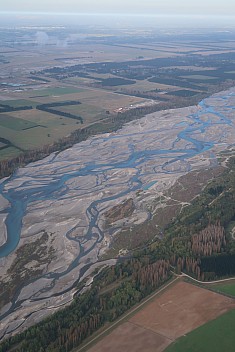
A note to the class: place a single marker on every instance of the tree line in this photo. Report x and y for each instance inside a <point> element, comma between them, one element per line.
<point>49,108</point>
<point>9,108</point>
<point>103,303</point>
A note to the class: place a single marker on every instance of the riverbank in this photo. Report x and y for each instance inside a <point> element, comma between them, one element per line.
<point>59,203</point>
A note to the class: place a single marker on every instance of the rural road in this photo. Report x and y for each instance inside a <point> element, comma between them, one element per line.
<point>206,282</point>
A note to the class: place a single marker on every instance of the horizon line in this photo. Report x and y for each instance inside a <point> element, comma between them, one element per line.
<point>163,15</point>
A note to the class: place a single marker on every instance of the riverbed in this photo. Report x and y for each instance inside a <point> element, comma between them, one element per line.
<point>67,194</point>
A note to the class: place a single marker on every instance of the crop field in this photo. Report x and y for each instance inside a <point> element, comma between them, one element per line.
<point>199,77</point>
<point>89,113</point>
<point>20,102</point>
<point>129,337</point>
<point>217,335</point>
<point>47,129</point>
<point>14,123</point>
<point>54,91</point>
<point>102,99</point>
<point>30,129</point>
<point>145,85</point>
<point>182,93</point>
<point>227,288</point>
<point>120,52</point>
<point>177,311</point>
<point>105,75</point>
<point>9,152</point>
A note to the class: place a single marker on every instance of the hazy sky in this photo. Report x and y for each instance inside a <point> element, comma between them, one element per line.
<point>177,7</point>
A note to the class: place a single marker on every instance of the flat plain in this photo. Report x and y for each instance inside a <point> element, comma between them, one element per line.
<point>217,335</point>
<point>62,201</point>
<point>177,311</point>
<point>227,288</point>
<point>104,75</point>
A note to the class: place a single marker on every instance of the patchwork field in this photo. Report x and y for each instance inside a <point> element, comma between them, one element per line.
<point>217,335</point>
<point>33,128</point>
<point>103,72</point>
<point>179,310</point>
<point>14,123</point>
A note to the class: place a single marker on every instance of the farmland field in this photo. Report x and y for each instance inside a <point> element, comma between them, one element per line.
<point>108,73</point>
<point>47,129</point>
<point>129,337</point>
<point>217,335</point>
<point>20,102</point>
<point>228,288</point>
<point>199,77</point>
<point>177,311</point>
<point>9,152</point>
<point>30,129</point>
<point>89,113</point>
<point>14,123</point>
<point>54,91</point>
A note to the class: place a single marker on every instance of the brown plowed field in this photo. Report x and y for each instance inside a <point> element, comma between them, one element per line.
<point>131,338</point>
<point>180,309</point>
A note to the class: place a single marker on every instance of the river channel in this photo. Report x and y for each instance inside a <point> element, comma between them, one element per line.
<point>127,153</point>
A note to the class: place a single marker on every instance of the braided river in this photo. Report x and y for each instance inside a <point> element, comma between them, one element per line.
<point>67,194</point>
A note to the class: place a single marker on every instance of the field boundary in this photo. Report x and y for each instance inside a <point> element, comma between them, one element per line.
<point>124,317</point>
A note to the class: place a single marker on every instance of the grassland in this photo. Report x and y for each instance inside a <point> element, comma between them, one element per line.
<point>48,128</point>
<point>15,123</point>
<point>54,91</point>
<point>9,152</point>
<point>31,129</point>
<point>227,288</point>
<point>217,335</point>
<point>145,85</point>
<point>89,113</point>
<point>16,103</point>
<point>199,77</point>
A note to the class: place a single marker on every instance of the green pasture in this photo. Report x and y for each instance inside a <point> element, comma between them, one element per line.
<point>215,336</point>
<point>56,91</point>
<point>48,129</point>
<point>9,152</point>
<point>199,77</point>
<point>228,288</point>
<point>89,113</point>
<point>17,103</point>
<point>15,123</point>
